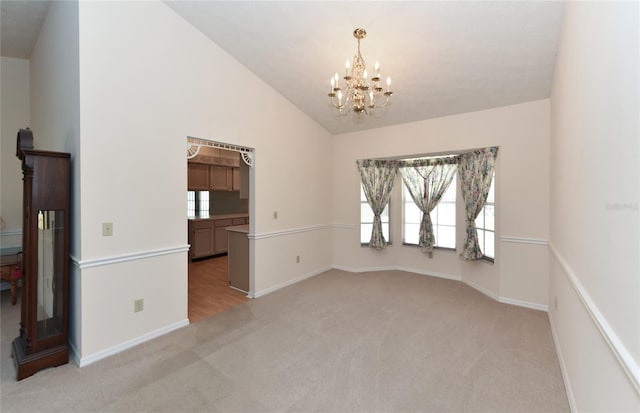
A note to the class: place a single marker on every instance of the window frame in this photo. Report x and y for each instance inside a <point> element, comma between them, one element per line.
<point>406,199</point>
<point>363,201</point>
<point>198,203</point>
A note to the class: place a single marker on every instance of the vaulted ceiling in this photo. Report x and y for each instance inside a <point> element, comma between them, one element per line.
<point>444,57</point>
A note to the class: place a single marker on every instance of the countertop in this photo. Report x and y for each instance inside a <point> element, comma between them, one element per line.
<point>222,216</point>
<point>238,228</point>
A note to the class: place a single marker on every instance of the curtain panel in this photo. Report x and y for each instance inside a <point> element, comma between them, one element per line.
<point>475,172</point>
<point>377,180</point>
<point>427,182</point>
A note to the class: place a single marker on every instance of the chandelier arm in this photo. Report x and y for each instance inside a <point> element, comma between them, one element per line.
<point>359,95</point>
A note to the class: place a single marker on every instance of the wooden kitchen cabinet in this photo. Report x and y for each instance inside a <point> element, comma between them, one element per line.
<point>220,178</point>
<point>236,179</point>
<point>221,238</point>
<point>197,177</point>
<point>201,238</point>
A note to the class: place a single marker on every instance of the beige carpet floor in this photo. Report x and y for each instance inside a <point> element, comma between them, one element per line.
<point>338,342</point>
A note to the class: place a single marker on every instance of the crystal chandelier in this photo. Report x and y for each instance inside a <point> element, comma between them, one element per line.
<point>357,92</point>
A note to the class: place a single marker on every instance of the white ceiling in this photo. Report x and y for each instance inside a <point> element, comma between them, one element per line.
<point>443,57</point>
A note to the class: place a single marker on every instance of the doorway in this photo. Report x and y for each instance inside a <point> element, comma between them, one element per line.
<point>219,196</point>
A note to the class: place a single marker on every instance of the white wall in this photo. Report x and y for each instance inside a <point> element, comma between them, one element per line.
<point>519,273</point>
<point>55,117</point>
<point>144,88</point>
<point>594,205</point>
<point>14,90</point>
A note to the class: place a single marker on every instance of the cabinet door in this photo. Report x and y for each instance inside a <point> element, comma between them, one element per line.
<point>236,179</point>
<point>221,237</point>
<point>220,178</point>
<point>197,177</point>
<point>221,240</point>
<point>201,238</point>
<point>244,180</point>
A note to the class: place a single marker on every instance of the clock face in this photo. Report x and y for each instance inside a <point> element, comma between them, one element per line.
<point>192,151</point>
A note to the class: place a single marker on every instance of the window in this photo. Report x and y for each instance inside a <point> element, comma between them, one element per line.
<point>485,223</point>
<point>197,203</point>
<point>366,220</point>
<point>443,218</point>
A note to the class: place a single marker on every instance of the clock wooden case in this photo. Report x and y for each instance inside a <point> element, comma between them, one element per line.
<point>43,339</point>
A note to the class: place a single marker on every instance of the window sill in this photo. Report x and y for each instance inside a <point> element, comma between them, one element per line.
<point>404,244</point>
<point>488,259</point>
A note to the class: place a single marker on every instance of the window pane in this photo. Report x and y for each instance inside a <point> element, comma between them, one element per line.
<point>489,249</point>
<point>446,214</point>
<point>489,219</point>
<point>385,232</point>
<point>480,219</point>
<point>363,197</point>
<point>446,237</point>
<point>481,239</point>
<point>203,209</point>
<point>191,203</point>
<point>491,196</point>
<point>365,233</point>
<point>450,193</point>
<point>366,214</point>
<point>412,214</point>
<point>411,233</point>
<point>385,214</point>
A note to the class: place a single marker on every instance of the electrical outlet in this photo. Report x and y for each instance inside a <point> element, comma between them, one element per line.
<point>138,305</point>
<point>107,229</point>
<point>297,259</point>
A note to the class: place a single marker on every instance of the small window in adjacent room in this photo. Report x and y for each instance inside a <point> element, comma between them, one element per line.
<point>485,223</point>
<point>366,220</point>
<point>443,218</point>
<point>197,203</point>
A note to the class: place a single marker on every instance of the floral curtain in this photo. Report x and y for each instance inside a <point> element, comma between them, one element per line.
<point>426,184</point>
<point>377,178</point>
<point>475,171</point>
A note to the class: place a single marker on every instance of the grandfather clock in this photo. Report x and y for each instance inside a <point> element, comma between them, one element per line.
<point>45,243</point>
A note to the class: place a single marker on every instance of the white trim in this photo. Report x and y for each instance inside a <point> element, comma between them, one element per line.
<point>239,290</point>
<point>522,240</point>
<point>504,300</point>
<point>10,233</point>
<point>276,287</point>
<point>85,361</point>
<point>98,262</point>
<point>344,226</point>
<point>289,231</point>
<point>481,289</point>
<point>626,360</point>
<point>563,368</point>
<point>525,304</point>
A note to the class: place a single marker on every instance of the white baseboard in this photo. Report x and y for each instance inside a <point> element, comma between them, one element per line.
<point>92,358</point>
<point>505,300</point>
<point>286,283</point>
<point>563,368</point>
<point>525,304</point>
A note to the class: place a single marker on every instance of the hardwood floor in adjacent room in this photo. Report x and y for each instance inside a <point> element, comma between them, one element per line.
<point>209,291</point>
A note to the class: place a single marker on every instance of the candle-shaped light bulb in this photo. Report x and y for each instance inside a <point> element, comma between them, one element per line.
<point>371,97</point>
<point>336,78</point>
<point>364,74</point>
<point>388,83</point>
<point>339,97</point>
<point>377,67</point>
<point>333,83</point>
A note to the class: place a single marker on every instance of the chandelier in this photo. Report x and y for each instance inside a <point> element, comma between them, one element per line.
<point>358,92</point>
